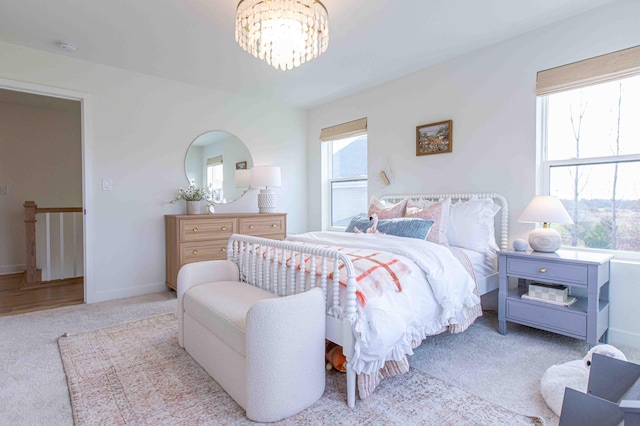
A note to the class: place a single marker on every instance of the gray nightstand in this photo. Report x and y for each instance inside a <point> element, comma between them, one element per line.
<point>586,275</point>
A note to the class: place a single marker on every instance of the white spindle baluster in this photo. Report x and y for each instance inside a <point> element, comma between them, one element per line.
<point>323,275</point>
<point>283,274</point>
<point>301,272</point>
<point>336,284</point>
<point>292,280</point>
<point>61,241</point>
<point>260,260</point>
<point>47,239</point>
<point>267,268</point>
<point>312,272</point>
<point>274,269</point>
<point>254,259</point>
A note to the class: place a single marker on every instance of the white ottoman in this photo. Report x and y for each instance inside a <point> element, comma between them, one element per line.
<point>267,352</point>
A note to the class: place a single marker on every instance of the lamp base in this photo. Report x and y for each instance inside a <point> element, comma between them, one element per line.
<point>546,240</point>
<point>266,201</point>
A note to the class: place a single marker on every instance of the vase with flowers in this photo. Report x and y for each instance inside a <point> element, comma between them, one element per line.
<point>195,198</point>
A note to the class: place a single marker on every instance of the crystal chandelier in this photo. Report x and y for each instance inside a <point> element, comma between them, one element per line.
<point>285,33</point>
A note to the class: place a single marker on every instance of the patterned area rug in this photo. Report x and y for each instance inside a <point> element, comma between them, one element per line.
<point>136,374</point>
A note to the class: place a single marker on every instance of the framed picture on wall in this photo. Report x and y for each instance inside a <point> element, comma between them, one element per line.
<point>434,138</point>
<point>242,165</point>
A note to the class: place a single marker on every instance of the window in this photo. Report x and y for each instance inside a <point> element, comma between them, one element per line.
<point>591,160</point>
<point>346,172</point>
<point>215,173</point>
<point>348,181</point>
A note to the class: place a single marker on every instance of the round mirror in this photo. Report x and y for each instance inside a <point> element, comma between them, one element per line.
<point>219,160</point>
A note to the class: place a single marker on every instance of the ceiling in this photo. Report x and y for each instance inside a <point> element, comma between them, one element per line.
<point>192,41</point>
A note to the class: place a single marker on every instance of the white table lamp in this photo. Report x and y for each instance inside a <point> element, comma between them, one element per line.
<point>243,178</point>
<point>267,177</point>
<point>545,209</point>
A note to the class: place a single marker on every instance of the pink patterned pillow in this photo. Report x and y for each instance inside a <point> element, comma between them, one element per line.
<point>385,211</point>
<point>437,212</point>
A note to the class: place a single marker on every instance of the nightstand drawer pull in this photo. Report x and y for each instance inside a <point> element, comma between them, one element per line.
<point>195,252</point>
<point>251,226</point>
<point>195,229</point>
<point>273,225</point>
<point>223,249</point>
<point>543,270</point>
<point>224,228</point>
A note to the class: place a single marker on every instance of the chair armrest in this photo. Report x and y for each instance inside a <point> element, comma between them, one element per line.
<point>197,273</point>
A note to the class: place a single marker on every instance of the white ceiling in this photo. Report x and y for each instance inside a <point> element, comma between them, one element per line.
<point>371,41</point>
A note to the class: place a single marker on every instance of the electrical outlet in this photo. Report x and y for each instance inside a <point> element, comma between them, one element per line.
<point>106,184</point>
<point>4,190</point>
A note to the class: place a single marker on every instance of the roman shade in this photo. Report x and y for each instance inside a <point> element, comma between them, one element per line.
<point>601,69</point>
<point>345,130</point>
<point>214,161</point>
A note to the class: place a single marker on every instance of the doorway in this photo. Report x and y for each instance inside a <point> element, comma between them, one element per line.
<point>44,149</point>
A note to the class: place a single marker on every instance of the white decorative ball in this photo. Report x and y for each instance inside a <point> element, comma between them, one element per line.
<point>520,244</point>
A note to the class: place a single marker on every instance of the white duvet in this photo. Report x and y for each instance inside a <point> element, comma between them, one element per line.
<point>434,295</point>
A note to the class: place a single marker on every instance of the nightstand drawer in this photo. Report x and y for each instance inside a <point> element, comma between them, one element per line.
<point>205,250</point>
<point>548,271</point>
<point>206,229</point>
<point>549,318</point>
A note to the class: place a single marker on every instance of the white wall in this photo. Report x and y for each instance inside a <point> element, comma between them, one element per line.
<point>141,129</point>
<point>40,154</point>
<point>490,96</point>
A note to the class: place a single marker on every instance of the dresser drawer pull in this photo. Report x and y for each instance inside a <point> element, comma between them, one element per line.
<point>195,252</point>
<point>223,249</point>
<point>543,270</point>
<point>195,229</point>
<point>273,225</point>
<point>224,228</point>
<point>250,226</point>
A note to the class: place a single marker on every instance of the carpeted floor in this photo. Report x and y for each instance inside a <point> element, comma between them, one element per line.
<point>505,370</point>
<point>136,373</point>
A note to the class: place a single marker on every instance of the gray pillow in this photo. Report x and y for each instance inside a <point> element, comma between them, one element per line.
<point>400,227</point>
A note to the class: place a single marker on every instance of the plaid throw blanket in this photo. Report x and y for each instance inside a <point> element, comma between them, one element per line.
<point>376,272</point>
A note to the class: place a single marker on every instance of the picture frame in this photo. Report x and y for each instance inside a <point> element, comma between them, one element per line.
<point>434,138</point>
<point>241,165</point>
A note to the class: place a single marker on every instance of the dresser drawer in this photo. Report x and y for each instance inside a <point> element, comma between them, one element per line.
<point>206,229</point>
<point>262,226</point>
<point>548,271</point>
<point>548,318</point>
<point>205,250</point>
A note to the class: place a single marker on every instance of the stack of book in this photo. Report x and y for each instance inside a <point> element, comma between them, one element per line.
<point>548,293</point>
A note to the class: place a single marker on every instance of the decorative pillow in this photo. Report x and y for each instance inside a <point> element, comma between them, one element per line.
<point>471,225</point>
<point>400,227</point>
<point>384,210</point>
<point>438,212</point>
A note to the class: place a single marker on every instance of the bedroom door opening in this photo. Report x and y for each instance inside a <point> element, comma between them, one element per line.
<point>43,249</point>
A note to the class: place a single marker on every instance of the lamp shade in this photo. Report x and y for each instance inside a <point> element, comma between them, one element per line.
<point>267,176</point>
<point>545,209</point>
<point>243,178</point>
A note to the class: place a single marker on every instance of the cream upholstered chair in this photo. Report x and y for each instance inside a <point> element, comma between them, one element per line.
<point>267,352</point>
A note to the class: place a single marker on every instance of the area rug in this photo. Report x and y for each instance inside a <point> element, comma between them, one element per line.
<point>136,374</point>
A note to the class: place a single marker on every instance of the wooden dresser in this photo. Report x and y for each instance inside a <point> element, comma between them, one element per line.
<point>192,238</point>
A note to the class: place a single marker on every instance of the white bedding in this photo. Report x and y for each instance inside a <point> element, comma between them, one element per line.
<point>483,264</point>
<point>434,296</point>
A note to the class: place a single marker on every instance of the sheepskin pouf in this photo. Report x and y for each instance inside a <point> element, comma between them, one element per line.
<point>572,374</point>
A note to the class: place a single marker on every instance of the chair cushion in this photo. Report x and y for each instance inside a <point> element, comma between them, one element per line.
<point>222,308</point>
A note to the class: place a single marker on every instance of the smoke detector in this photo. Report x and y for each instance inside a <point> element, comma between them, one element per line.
<point>67,47</point>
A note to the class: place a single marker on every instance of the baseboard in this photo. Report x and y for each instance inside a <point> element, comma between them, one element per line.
<point>121,293</point>
<point>624,338</point>
<point>12,269</point>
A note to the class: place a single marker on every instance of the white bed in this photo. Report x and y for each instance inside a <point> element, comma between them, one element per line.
<point>377,324</point>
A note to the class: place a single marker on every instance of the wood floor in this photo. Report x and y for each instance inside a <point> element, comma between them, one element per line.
<point>16,298</point>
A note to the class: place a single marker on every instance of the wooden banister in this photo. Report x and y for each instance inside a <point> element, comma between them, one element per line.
<point>30,211</point>
<point>30,208</point>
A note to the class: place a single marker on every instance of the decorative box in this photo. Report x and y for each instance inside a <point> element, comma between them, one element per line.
<point>555,293</point>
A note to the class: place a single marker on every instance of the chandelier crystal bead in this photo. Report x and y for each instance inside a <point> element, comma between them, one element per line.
<point>284,33</point>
